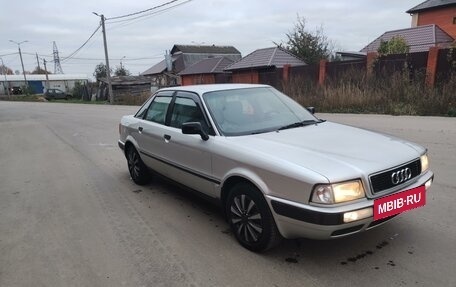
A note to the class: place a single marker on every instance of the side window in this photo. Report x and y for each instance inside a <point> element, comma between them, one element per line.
<point>157,110</point>
<point>142,111</point>
<point>186,110</point>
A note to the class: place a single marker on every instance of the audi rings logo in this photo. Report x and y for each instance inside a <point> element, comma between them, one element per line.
<point>401,176</point>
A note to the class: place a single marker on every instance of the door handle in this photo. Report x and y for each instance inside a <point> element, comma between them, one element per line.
<point>167,137</point>
<point>140,129</point>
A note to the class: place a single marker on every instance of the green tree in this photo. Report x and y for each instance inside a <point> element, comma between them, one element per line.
<point>39,71</point>
<point>310,46</point>
<point>121,71</point>
<point>100,71</point>
<point>396,45</point>
<point>4,69</point>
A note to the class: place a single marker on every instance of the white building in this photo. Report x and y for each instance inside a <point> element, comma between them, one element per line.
<point>37,83</point>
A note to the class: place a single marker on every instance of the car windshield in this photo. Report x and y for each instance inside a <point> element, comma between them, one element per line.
<point>255,110</point>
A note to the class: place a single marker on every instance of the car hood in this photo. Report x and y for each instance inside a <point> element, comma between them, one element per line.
<point>337,152</point>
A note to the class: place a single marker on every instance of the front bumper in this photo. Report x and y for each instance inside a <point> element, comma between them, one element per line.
<point>296,220</point>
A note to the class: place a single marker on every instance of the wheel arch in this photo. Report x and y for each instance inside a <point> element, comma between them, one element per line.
<point>241,177</point>
<point>130,142</point>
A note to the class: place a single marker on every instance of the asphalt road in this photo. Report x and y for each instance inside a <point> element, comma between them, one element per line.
<point>71,216</point>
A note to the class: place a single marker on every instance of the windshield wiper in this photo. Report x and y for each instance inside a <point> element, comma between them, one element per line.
<point>299,124</point>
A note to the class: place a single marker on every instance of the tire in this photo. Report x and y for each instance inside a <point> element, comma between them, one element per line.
<point>250,218</point>
<point>138,170</point>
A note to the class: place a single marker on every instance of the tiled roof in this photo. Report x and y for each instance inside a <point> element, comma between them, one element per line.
<point>200,49</point>
<point>419,38</point>
<point>208,66</point>
<point>186,55</point>
<point>431,4</point>
<point>156,69</point>
<point>268,57</point>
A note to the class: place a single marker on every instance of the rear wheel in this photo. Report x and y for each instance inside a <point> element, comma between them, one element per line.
<point>250,218</point>
<point>138,170</point>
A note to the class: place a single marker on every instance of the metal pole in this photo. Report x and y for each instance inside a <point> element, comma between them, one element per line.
<point>22,62</point>
<point>23,70</point>
<point>46,72</point>
<point>121,67</point>
<point>108,71</point>
<point>38,62</point>
<point>6,81</point>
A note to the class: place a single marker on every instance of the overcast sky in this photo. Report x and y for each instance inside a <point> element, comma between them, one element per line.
<point>245,24</point>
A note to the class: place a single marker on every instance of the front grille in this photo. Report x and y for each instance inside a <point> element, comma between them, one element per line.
<point>382,181</point>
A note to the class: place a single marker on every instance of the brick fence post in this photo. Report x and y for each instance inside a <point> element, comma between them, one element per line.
<point>431,69</point>
<point>286,73</point>
<point>322,72</point>
<point>370,61</point>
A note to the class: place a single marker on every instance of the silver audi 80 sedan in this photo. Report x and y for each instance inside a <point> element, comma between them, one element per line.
<point>277,170</point>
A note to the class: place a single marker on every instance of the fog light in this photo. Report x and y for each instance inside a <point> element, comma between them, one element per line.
<point>428,184</point>
<point>358,215</point>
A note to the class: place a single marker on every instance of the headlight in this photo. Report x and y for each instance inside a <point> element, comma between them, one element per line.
<point>338,192</point>
<point>424,162</point>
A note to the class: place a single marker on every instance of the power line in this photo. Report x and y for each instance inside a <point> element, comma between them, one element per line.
<point>33,54</point>
<point>82,46</point>
<point>147,16</point>
<point>143,11</point>
<point>15,53</point>
<point>118,59</point>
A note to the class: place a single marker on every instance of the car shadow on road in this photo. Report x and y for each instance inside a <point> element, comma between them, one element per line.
<point>355,249</point>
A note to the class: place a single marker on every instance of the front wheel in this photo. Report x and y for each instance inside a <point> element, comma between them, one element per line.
<point>250,218</point>
<point>138,170</point>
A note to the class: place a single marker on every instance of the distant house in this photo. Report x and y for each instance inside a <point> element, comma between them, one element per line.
<point>433,25</point>
<point>260,63</point>
<point>419,38</point>
<point>165,73</point>
<point>439,12</point>
<point>207,71</point>
<point>350,56</point>
<point>37,83</point>
<point>131,89</point>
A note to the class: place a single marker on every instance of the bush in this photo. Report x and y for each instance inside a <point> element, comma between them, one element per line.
<point>398,93</point>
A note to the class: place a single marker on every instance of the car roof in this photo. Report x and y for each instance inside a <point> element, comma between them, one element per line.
<point>201,89</point>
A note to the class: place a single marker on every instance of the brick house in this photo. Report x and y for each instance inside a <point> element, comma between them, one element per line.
<point>207,71</point>
<point>439,12</point>
<point>261,66</point>
<point>433,25</point>
<point>419,39</point>
<point>165,73</point>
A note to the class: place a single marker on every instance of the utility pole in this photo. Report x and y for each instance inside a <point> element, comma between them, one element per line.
<point>22,62</point>
<point>38,62</point>
<point>121,67</point>
<point>108,71</point>
<point>6,82</point>
<point>47,77</point>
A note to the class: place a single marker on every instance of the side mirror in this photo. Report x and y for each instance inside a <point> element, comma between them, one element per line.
<point>311,110</point>
<point>194,128</point>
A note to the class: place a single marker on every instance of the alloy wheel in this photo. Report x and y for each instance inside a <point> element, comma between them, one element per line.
<point>246,218</point>
<point>133,164</point>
